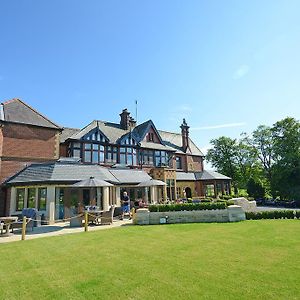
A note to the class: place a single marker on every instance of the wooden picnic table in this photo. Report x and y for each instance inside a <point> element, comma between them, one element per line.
<point>7,221</point>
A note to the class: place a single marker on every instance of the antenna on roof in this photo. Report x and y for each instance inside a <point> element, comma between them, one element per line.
<point>136,111</point>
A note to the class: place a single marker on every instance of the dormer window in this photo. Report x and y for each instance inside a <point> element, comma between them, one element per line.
<point>95,136</point>
<point>128,141</point>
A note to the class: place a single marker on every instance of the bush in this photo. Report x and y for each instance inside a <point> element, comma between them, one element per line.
<point>187,206</point>
<point>274,214</point>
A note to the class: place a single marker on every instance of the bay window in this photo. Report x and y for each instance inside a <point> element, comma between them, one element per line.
<point>127,156</point>
<point>111,154</point>
<point>161,158</point>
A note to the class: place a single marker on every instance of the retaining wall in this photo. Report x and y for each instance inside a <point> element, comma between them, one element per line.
<point>233,213</point>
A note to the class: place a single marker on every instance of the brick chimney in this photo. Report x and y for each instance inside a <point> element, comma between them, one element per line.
<point>125,119</point>
<point>132,122</point>
<point>185,135</point>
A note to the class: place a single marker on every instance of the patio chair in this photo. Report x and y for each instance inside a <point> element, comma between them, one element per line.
<point>30,213</point>
<point>93,218</point>
<point>108,216</point>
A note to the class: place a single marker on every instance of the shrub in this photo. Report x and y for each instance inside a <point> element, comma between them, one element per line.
<point>187,206</point>
<point>273,214</point>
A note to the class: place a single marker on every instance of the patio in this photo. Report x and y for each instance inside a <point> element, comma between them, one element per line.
<point>60,228</point>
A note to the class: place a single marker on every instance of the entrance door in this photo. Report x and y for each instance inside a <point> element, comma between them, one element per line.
<point>188,192</point>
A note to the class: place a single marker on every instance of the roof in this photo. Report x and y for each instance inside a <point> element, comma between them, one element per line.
<point>61,171</point>
<point>174,140</point>
<point>210,175</point>
<point>67,132</point>
<point>170,141</point>
<point>17,111</point>
<point>130,176</point>
<point>183,176</point>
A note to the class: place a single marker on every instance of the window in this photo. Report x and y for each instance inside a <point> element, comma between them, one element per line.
<point>161,158</point>
<point>20,199</point>
<point>93,153</point>
<point>128,141</point>
<point>146,157</point>
<point>219,189</point>
<point>209,190</point>
<point>111,154</point>
<point>75,149</point>
<point>178,162</point>
<point>127,156</point>
<point>95,136</point>
<point>31,198</point>
<point>150,137</point>
<point>42,198</point>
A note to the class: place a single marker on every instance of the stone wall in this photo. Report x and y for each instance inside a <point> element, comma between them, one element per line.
<point>233,213</point>
<point>247,206</point>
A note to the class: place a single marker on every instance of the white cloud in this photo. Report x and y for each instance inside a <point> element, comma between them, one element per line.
<point>241,71</point>
<point>229,125</point>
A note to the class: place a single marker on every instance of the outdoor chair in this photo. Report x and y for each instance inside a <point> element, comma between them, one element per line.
<point>30,213</point>
<point>108,216</point>
<point>93,218</point>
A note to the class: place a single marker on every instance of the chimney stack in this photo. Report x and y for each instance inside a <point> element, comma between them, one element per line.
<point>185,135</point>
<point>124,122</point>
<point>132,122</point>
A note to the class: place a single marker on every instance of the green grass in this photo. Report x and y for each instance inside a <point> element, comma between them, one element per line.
<point>246,260</point>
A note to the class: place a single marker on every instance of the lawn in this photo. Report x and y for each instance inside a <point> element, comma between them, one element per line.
<point>247,260</point>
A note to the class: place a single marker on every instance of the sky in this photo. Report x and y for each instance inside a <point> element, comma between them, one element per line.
<point>225,66</point>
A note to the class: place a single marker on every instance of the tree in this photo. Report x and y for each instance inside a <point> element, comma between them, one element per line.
<point>285,181</point>
<point>262,143</point>
<point>247,160</point>
<point>223,157</point>
<point>255,189</point>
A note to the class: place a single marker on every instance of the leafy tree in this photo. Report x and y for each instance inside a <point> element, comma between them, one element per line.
<point>247,160</point>
<point>285,181</point>
<point>255,189</point>
<point>223,157</point>
<point>262,143</point>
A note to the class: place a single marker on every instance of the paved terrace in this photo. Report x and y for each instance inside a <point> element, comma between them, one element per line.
<point>60,228</point>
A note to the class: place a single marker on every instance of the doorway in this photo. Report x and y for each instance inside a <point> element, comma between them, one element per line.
<point>188,192</point>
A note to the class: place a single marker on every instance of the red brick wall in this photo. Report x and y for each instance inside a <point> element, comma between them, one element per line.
<point>155,137</point>
<point>28,141</point>
<point>63,150</point>
<point>194,163</point>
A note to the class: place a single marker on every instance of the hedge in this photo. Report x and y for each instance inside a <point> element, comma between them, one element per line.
<point>187,206</point>
<point>273,214</point>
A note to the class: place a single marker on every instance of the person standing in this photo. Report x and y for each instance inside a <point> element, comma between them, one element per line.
<point>125,205</point>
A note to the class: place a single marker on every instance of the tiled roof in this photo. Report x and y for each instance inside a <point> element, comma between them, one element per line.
<point>73,172</point>
<point>170,141</point>
<point>130,176</point>
<point>174,140</point>
<point>184,176</point>
<point>210,175</point>
<point>67,132</point>
<point>17,111</point>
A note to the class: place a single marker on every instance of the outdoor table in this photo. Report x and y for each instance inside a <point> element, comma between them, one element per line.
<point>7,221</point>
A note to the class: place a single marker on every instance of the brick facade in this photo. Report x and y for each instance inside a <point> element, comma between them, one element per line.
<point>21,145</point>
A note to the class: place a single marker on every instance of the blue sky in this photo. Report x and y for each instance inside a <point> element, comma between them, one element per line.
<point>226,66</point>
